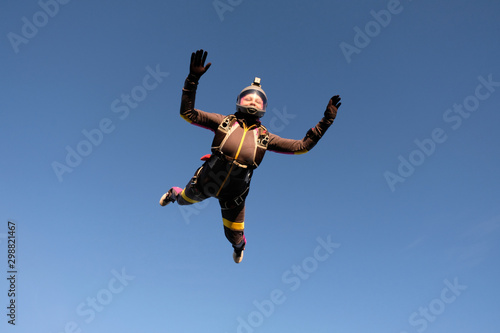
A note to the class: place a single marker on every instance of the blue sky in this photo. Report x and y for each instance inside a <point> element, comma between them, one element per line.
<point>390,224</point>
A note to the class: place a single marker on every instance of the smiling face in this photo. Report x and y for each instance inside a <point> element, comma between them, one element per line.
<point>253,100</point>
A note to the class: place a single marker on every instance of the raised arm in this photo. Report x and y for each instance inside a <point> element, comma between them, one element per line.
<point>194,116</point>
<point>313,135</point>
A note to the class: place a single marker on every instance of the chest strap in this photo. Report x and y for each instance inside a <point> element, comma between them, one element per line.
<point>224,131</point>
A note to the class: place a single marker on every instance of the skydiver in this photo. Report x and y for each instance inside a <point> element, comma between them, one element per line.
<point>238,147</point>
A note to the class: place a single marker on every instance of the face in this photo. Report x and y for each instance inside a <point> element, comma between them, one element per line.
<point>252,100</point>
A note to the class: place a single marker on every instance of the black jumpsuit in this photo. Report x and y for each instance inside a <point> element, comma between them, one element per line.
<point>226,174</point>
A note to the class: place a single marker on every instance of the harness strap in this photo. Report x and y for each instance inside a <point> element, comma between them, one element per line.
<point>224,131</point>
<point>236,201</point>
<point>230,160</point>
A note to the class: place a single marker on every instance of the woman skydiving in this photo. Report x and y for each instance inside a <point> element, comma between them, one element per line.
<point>238,147</point>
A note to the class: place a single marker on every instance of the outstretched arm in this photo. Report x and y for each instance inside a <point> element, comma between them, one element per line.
<point>197,68</point>
<point>289,146</point>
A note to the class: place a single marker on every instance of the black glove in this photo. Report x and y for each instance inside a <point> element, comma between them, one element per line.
<point>332,107</point>
<point>197,66</point>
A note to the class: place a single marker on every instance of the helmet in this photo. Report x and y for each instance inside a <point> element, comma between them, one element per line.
<point>253,89</point>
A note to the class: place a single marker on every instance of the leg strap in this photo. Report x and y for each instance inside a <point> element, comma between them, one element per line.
<point>230,204</point>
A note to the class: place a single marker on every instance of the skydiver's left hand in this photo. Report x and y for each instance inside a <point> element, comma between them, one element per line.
<point>332,107</point>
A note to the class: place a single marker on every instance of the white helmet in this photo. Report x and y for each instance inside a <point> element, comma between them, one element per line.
<point>253,89</point>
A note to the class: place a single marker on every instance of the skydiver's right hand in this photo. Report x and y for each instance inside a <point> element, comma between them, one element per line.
<point>197,66</point>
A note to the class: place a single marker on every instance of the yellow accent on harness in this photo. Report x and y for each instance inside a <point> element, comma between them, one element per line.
<point>245,130</point>
<point>239,226</point>
<point>225,179</point>
<point>188,199</point>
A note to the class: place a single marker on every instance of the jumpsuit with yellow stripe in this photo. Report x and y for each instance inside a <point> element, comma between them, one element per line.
<point>227,173</point>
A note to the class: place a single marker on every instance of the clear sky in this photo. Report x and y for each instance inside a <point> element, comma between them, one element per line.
<point>390,224</point>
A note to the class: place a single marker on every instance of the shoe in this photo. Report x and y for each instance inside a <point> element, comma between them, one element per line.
<point>170,196</point>
<point>238,257</point>
<point>165,199</point>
